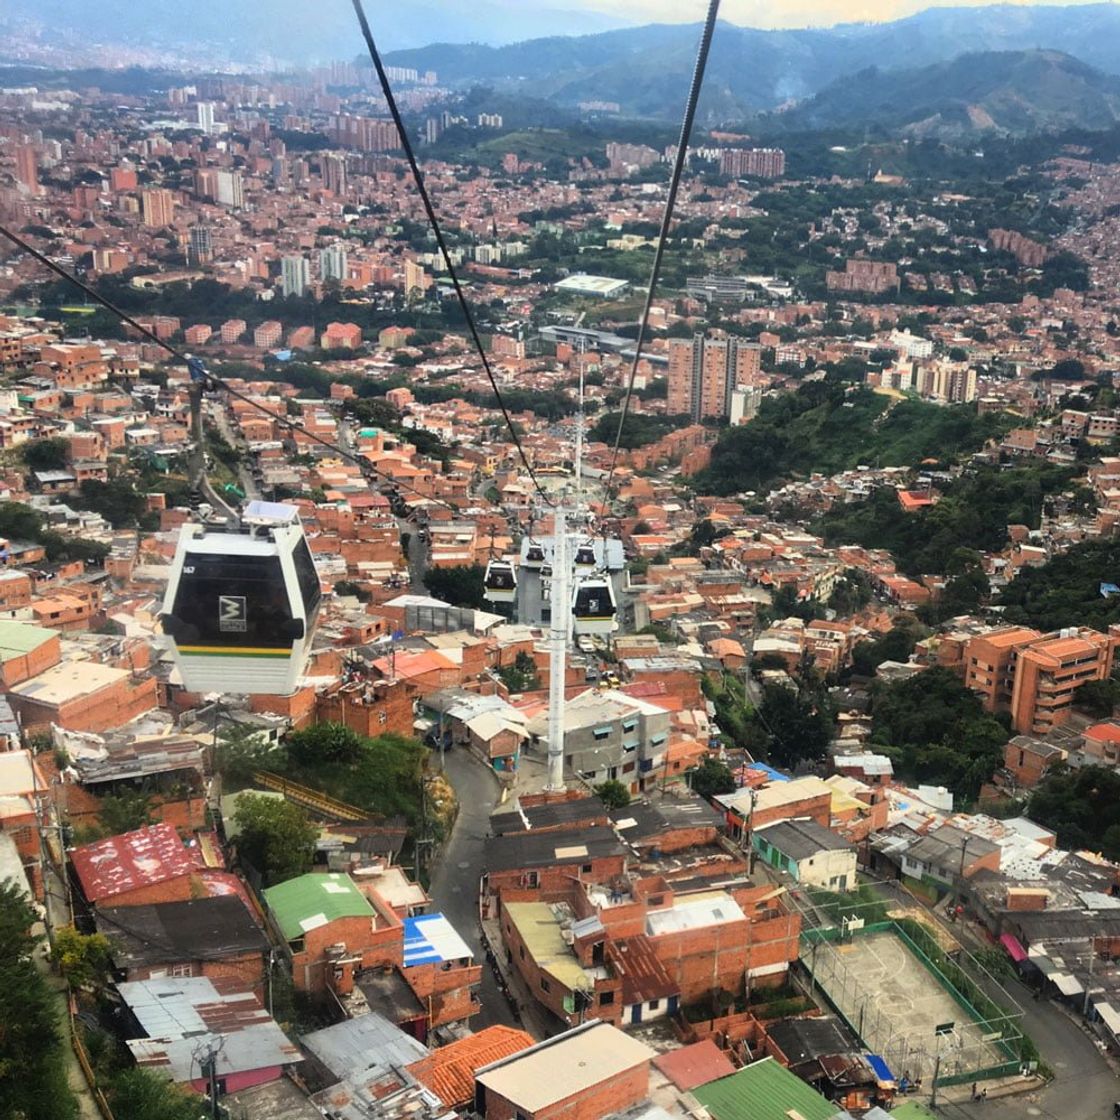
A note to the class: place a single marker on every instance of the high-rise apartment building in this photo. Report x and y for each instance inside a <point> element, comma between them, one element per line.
<point>27,168</point>
<point>1035,676</point>
<point>332,263</point>
<point>704,372</point>
<point>334,174</point>
<point>758,163</point>
<point>229,189</point>
<point>205,111</point>
<point>415,278</point>
<point>201,244</point>
<point>367,134</point>
<point>947,381</point>
<point>295,275</point>
<point>158,206</point>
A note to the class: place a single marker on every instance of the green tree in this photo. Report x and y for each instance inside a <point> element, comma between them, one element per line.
<point>461,586</point>
<point>46,454</point>
<point>140,1094</point>
<point>125,811</point>
<point>19,522</point>
<point>1081,806</point>
<point>1098,698</point>
<point>521,675</point>
<point>613,794</point>
<point>32,1069</point>
<point>937,731</point>
<point>799,723</point>
<point>895,645</point>
<point>325,743</point>
<point>850,593</point>
<point>276,837</point>
<point>117,500</point>
<point>241,750</point>
<point>712,777</point>
<point>83,958</point>
<point>348,587</point>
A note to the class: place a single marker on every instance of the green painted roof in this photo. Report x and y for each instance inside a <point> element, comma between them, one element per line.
<point>309,901</point>
<point>17,638</point>
<point>763,1091</point>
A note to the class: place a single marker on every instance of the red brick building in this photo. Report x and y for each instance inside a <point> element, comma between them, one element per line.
<point>586,1073</point>
<point>82,696</point>
<point>148,866</point>
<point>214,937</point>
<point>550,864</point>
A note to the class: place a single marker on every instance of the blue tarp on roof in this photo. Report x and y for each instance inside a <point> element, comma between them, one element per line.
<point>879,1068</point>
<point>769,771</point>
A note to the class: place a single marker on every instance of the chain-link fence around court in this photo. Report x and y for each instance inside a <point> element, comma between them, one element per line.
<point>918,1008</point>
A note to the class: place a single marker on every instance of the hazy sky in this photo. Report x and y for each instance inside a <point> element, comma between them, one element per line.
<point>777,13</point>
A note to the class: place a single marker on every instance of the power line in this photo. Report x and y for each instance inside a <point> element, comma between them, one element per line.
<point>425,198</point>
<point>666,218</point>
<point>199,373</point>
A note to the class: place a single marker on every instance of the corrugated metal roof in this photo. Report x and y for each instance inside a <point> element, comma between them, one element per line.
<point>312,900</point>
<point>362,1046</point>
<point>132,860</point>
<point>694,1065</point>
<point>432,939</point>
<point>17,638</point>
<point>763,1091</point>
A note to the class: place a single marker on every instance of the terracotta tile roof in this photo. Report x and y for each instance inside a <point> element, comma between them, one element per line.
<point>449,1071</point>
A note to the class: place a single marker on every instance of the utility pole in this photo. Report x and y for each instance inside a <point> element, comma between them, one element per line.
<point>749,830</point>
<point>1089,983</point>
<point>936,1072</point>
<point>960,875</point>
<point>208,1064</point>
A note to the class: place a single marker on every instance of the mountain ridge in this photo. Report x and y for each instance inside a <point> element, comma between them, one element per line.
<point>646,69</point>
<point>988,92</point>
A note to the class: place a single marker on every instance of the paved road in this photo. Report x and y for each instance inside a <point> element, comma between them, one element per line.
<point>417,556</point>
<point>454,887</point>
<point>1084,1085</point>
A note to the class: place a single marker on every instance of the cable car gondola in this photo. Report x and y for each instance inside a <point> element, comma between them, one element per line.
<point>593,607</point>
<point>500,582</point>
<point>534,555</point>
<point>585,556</point>
<point>242,603</point>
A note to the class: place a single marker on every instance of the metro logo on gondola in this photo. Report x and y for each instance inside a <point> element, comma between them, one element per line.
<point>232,615</point>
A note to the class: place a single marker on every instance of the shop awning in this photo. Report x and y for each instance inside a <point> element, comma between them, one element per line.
<point>1067,984</point>
<point>1014,949</point>
<point>1110,1016</point>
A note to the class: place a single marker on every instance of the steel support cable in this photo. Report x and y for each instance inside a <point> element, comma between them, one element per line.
<point>433,221</point>
<point>211,380</point>
<point>666,221</point>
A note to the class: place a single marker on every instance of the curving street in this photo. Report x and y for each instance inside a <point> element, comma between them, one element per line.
<point>454,887</point>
